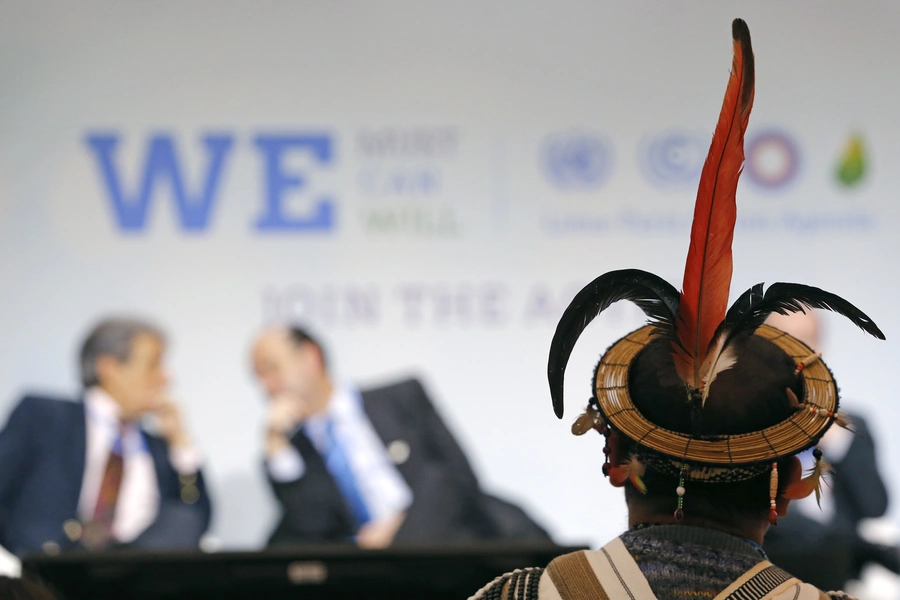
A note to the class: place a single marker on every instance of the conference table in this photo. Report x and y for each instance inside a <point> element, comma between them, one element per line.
<point>306,572</point>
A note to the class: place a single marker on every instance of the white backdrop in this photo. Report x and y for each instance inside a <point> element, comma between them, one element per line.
<point>427,184</point>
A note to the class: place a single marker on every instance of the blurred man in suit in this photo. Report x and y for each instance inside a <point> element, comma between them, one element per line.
<point>856,492</point>
<point>374,466</point>
<point>85,474</point>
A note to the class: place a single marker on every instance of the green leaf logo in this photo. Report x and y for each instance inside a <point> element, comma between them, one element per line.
<point>853,164</point>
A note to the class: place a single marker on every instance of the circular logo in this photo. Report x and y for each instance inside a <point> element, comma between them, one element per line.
<point>577,161</point>
<point>673,158</point>
<point>772,160</point>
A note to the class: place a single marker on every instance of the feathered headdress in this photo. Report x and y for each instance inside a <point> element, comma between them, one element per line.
<point>698,323</point>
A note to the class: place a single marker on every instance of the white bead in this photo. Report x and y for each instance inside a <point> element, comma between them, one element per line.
<point>823,412</point>
<point>679,490</point>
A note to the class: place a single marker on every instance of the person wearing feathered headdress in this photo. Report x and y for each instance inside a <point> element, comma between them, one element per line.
<point>704,410</point>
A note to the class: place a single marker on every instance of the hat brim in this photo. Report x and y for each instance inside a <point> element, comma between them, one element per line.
<point>713,454</point>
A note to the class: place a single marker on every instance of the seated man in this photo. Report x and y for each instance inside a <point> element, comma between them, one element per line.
<point>374,466</point>
<point>703,410</point>
<point>85,474</point>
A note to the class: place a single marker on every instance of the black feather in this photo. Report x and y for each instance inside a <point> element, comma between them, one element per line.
<point>737,312</point>
<point>746,302</point>
<point>752,308</point>
<point>655,296</point>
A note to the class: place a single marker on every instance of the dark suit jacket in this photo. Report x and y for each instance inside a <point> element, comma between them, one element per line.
<point>447,503</point>
<point>859,492</point>
<point>42,455</point>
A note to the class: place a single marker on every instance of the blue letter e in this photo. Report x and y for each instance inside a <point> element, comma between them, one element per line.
<point>279,182</point>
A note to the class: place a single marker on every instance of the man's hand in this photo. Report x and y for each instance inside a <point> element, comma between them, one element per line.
<point>380,534</point>
<point>170,424</point>
<point>286,411</point>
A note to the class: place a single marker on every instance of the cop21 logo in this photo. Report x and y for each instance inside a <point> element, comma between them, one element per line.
<point>194,205</point>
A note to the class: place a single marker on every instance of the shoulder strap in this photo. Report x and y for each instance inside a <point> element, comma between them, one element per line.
<point>765,581</point>
<point>607,574</point>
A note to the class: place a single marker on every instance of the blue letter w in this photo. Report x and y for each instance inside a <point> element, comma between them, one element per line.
<point>161,164</point>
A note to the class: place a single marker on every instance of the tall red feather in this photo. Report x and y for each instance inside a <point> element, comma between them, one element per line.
<point>707,274</point>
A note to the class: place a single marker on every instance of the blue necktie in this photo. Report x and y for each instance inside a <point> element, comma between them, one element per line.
<point>338,465</point>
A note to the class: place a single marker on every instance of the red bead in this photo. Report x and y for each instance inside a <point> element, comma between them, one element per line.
<point>679,515</point>
<point>773,517</point>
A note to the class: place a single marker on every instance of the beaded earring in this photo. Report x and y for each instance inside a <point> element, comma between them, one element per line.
<point>679,512</point>
<point>605,468</point>
<point>773,493</point>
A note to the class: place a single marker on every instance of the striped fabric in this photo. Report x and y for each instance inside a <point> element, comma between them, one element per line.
<point>573,576</point>
<point>613,573</point>
<point>620,574</point>
<point>758,584</point>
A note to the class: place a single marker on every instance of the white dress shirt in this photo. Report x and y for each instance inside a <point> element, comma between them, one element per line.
<point>381,486</point>
<point>138,499</point>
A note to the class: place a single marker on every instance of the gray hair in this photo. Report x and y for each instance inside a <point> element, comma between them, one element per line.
<point>111,337</point>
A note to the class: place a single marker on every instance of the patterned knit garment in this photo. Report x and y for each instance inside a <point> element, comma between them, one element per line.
<point>689,563</point>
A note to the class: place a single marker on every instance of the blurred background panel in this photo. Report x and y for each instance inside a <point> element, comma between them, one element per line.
<point>426,185</point>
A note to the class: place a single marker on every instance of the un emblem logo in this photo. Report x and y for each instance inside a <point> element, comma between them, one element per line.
<point>577,161</point>
<point>673,159</point>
